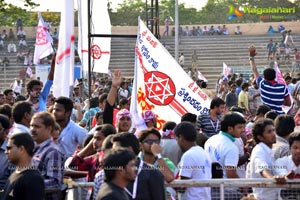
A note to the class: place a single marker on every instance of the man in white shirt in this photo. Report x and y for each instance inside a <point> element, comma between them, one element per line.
<point>22,113</point>
<point>181,60</point>
<point>11,47</point>
<point>221,147</point>
<point>194,163</point>
<point>262,163</point>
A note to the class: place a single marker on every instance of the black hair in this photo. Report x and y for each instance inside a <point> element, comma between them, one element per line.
<point>169,125</point>
<point>259,127</point>
<point>189,117</point>
<point>216,102</point>
<point>106,129</point>
<point>127,139</point>
<point>262,109</point>
<point>102,97</point>
<point>20,108</point>
<point>269,74</point>
<point>94,102</point>
<point>107,143</point>
<point>187,130</point>
<point>284,125</point>
<point>271,115</point>
<point>6,110</point>
<point>4,121</point>
<point>245,85</point>
<point>144,133</point>
<point>231,119</point>
<point>66,102</point>
<point>87,140</point>
<point>20,98</point>
<point>32,83</point>
<point>294,136</point>
<point>25,140</point>
<point>7,91</point>
<point>115,160</point>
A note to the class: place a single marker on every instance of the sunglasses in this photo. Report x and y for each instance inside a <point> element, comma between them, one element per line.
<point>151,141</point>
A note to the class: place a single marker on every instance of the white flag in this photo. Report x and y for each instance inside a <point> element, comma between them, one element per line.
<point>64,65</point>
<point>100,46</point>
<point>201,77</point>
<point>29,72</point>
<point>226,70</point>
<point>157,85</point>
<point>43,43</point>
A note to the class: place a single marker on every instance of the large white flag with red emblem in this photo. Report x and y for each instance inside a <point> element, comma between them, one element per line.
<point>43,42</point>
<point>160,83</point>
<point>100,24</point>
<point>64,64</point>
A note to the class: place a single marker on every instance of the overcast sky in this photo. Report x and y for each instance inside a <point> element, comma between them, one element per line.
<point>55,5</point>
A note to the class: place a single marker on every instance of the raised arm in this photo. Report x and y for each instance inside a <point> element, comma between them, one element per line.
<point>116,81</point>
<point>51,73</point>
<point>252,54</point>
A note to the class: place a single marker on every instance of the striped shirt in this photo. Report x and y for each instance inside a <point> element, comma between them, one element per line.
<point>272,94</point>
<point>208,126</point>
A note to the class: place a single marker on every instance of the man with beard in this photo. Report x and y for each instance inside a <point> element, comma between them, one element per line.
<point>71,135</point>
<point>25,183</point>
<point>38,96</point>
<point>210,123</point>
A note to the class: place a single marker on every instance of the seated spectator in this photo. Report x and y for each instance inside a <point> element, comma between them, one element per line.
<point>187,31</point>
<point>21,34</point>
<point>211,30</point>
<point>219,30</point>
<point>11,47</point>
<point>198,31</point>
<point>271,30</point>
<point>205,30</point>
<point>11,35</point>
<point>225,30</point>
<point>22,43</point>
<point>4,34</point>
<point>5,62</point>
<point>281,28</point>
<point>20,57</point>
<point>194,32</point>
<point>28,59</point>
<point>237,31</point>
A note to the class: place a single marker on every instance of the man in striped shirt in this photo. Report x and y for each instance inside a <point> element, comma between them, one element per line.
<point>273,94</point>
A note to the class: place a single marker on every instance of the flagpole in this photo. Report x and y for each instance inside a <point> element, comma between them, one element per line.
<point>176,31</point>
<point>89,48</point>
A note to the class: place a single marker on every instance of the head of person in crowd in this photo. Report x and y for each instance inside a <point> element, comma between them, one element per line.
<point>76,91</point>
<point>9,95</point>
<point>7,111</point>
<point>99,118</point>
<point>20,98</point>
<point>56,132</point>
<point>147,138</point>
<point>233,123</point>
<point>126,140</point>
<point>263,130</point>
<point>34,88</point>
<point>20,149</point>
<point>119,166</point>
<point>233,88</point>
<point>123,122</point>
<point>217,105</point>
<point>124,104</point>
<point>2,99</point>
<point>168,130</point>
<point>41,126</point>
<point>100,134</point>
<point>22,112</point>
<point>107,143</point>
<point>269,74</point>
<point>102,100</point>
<point>149,118</point>
<point>50,100</point>
<point>4,128</point>
<point>284,125</point>
<point>237,109</point>
<point>294,142</point>
<point>189,117</point>
<point>271,115</point>
<point>62,109</point>
<point>261,111</point>
<point>186,134</point>
<point>245,87</point>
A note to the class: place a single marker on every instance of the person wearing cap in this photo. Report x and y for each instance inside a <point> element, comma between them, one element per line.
<point>123,122</point>
<point>149,118</point>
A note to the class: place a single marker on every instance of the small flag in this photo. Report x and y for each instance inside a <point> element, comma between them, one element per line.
<point>226,70</point>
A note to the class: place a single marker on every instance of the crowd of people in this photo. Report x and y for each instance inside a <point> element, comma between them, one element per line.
<point>45,138</point>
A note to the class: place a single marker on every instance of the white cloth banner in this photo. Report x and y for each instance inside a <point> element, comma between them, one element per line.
<point>43,43</point>
<point>100,24</point>
<point>64,65</point>
<point>160,83</point>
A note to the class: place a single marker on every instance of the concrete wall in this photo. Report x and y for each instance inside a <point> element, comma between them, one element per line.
<point>247,29</point>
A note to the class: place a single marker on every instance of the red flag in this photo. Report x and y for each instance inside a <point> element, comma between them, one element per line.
<point>43,43</point>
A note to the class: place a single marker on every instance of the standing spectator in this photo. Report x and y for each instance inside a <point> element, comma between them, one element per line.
<point>181,60</point>
<point>22,113</point>
<point>237,31</point>
<point>194,163</point>
<point>17,87</point>
<point>289,39</point>
<point>11,35</point>
<point>26,182</point>
<point>274,51</point>
<point>5,62</point>
<point>262,162</point>
<point>231,98</point>
<point>296,64</point>
<point>123,92</point>
<point>11,47</point>
<point>166,26</point>
<point>1,44</point>
<point>254,97</point>
<point>243,101</point>
<point>19,24</point>
<point>89,114</point>
<point>55,36</point>
<point>282,49</point>
<point>210,124</point>
<point>272,94</point>
<point>21,33</point>
<point>287,53</point>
